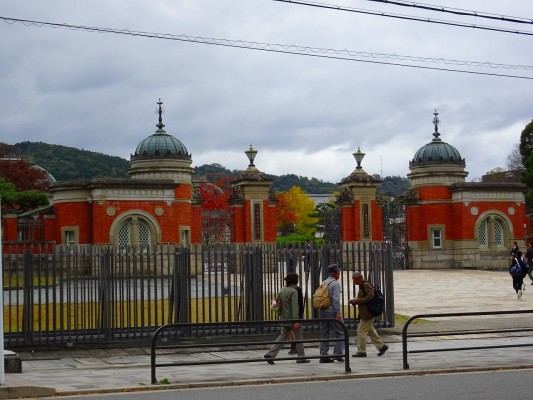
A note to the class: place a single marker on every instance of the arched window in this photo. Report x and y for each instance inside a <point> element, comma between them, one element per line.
<point>492,231</point>
<point>135,231</point>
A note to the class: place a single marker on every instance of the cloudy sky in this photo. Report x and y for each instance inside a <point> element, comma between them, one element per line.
<point>305,115</point>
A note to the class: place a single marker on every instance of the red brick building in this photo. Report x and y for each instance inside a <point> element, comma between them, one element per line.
<point>450,223</point>
<point>456,224</point>
<point>156,204</point>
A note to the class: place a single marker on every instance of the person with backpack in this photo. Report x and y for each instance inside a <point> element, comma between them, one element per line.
<point>332,311</point>
<point>529,260</point>
<point>289,310</point>
<point>366,318</point>
<point>518,270</point>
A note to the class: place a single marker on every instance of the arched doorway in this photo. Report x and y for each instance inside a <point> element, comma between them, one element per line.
<point>135,228</point>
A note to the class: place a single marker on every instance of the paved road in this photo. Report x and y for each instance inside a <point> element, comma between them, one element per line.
<point>509,385</point>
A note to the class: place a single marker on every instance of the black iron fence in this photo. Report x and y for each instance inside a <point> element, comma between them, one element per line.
<point>99,293</point>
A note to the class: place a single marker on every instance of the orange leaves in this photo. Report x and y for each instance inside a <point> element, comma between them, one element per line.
<point>215,195</point>
<point>293,212</point>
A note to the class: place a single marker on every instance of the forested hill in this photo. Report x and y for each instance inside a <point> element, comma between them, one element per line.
<point>66,163</point>
<point>215,172</point>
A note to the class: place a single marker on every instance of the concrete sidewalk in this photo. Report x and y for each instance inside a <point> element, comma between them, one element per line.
<point>95,371</point>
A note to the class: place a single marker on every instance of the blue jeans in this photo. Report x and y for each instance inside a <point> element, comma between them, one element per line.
<point>325,332</point>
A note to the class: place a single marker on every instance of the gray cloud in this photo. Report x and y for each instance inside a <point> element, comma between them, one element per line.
<point>305,115</point>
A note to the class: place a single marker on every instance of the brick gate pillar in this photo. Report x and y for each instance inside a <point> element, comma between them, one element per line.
<point>253,206</point>
<point>9,226</point>
<point>361,216</point>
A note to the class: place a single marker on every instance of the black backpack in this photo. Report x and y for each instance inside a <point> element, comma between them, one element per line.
<point>376,306</point>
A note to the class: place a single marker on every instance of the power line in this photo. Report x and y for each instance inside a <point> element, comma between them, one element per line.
<point>457,11</point>
<point>344,55</point>
<point>407,17</point>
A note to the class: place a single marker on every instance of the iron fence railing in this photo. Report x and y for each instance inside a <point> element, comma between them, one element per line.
<point>69,294</point>
<point>166,342</point>
<point>457,333</point>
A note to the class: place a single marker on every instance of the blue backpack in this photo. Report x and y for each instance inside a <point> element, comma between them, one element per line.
<point>518,268</point>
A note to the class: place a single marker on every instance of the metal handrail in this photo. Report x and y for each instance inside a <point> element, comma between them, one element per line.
<point>458,333</point>
<point>228,325</point>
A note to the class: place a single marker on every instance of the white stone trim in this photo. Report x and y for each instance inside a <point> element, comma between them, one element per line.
<point>467,197</point>
<point>133,194</point>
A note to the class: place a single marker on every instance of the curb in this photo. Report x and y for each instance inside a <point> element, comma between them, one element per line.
<point>282,380</point>
<point>16,392</point>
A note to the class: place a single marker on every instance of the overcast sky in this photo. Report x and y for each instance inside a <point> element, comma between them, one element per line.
<point>305,115</point>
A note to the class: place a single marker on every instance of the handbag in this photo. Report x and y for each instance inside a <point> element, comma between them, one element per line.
<point>275,305</point>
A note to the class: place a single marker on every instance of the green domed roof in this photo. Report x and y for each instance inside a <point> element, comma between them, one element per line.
<point>437,151</point>
<point>160,144</point>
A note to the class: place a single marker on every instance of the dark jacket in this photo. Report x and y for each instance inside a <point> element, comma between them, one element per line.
<point>365,294</point>
<point>300,302</point>
<point>529,256</point>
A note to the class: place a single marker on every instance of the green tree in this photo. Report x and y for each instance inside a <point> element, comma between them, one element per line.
<point>393,186</point>
<point>526,150</point>
<point>21,201</point>
<point>327,225</point>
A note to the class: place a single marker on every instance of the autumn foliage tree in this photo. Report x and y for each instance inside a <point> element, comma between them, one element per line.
<point>294,212</point>
<point>285,216</point>
<point>22,185</point>
<point>20,172</point>
<point>216,212</point>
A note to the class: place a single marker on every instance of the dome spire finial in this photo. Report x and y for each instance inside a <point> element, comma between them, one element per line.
<point>160,125</point>
<point>436,122</point>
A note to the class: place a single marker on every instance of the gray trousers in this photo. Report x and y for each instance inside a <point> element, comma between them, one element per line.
<point>325,332</point>
<point>284,335</point>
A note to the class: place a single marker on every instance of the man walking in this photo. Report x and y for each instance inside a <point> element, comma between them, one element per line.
<point>291,258</point>
<point>514,249</point>
<point>289,310</point>
<point>518,271</point>
<point>308,250</point>
<point>529,259</point>
<point>333,311</point>
<point>366,318</point>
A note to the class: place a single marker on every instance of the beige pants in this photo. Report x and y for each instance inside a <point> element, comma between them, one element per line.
<point>364,329</point>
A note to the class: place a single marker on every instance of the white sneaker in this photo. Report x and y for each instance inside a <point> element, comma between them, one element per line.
<point>523,287</point>
<point>519,294</point>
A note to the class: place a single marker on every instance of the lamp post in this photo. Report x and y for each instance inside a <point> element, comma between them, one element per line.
<point>251,153</point>
<point>359,155</point>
